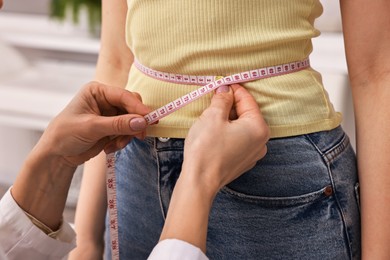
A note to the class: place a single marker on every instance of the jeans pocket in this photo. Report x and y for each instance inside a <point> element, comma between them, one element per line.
<point>298,202</point>
<point>306,226</point>
<point>276,202</point>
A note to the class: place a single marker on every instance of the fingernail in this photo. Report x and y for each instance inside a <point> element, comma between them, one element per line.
<point>110,148</point>
<point>137,124</point>
<point>222,89</point>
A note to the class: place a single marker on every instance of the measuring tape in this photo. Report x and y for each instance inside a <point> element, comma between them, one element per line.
<point>208,83</point>
<point>112,205</point>
<point>212,83</point>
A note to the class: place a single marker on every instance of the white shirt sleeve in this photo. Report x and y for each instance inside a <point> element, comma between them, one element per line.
<point>21,239</point>
<point>174,249</point>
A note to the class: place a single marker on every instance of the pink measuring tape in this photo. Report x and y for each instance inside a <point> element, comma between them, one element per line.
<point>208,83</point>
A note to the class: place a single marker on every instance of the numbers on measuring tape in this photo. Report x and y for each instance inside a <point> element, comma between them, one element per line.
<point>110,183</point>
<point>114,245</point>
<point>209,83</point>
<point>110,163</point>
<point>203,90</point>
<point>162,111</point>
<point>178,102</point>
<point>170,106</point>
<point>113,224</point>
<point>111,205</point>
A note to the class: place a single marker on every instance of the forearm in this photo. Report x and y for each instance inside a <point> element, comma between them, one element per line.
<point>92,202</point>
<point>366,27</point>
<point>373,149</point>
<point>201,177</point>
<point>115,58</point>
<point>188,212</point>
<point>113,71</point>
<point>42,185</point>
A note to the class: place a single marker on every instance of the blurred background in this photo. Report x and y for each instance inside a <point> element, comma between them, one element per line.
<point>48,50</point>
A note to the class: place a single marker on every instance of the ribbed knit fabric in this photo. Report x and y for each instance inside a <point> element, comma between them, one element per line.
<point>224,37</point>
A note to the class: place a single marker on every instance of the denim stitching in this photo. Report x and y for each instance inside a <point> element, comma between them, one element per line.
<point>278,201</point>
<point>333,153</point>
<point>158,179</point>
<point>328,157</point>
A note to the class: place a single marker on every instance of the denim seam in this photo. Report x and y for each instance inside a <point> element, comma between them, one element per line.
<point>158,179</point>
<point>328,157</point>
<point>333,153</point>
<point>278,201</point>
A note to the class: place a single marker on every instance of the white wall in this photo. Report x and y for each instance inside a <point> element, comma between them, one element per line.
<point>26,6</point>
<point>43,64</point>
<point>330,21</point>
<point>15,144</point>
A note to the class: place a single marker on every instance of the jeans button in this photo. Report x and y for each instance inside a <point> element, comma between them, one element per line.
<point>163,139</point>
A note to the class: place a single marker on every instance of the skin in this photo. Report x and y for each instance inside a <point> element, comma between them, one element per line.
<point>366,35</point>
<point>366,27</point>
<point>104,112</point>
<point>81,131</point>
<point>112,68</point>
<point>110,117</point>
<point>198,184</point>
<point>114,62</point>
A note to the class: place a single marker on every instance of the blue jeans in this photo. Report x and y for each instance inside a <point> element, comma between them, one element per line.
<point>300,201</point>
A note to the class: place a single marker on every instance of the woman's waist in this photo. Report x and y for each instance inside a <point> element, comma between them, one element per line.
<point>220,61</point>
<point>296,99</point>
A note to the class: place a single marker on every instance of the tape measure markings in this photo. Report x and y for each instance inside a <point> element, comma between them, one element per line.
<point>208,83</point>
<point>112,205</point>
<point>251,75</point>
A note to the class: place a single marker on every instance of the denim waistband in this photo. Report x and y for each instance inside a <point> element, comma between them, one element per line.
<point>324,141</point>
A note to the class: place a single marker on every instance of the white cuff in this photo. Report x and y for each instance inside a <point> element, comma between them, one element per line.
<point>173,249</point>
<point>19,237</point>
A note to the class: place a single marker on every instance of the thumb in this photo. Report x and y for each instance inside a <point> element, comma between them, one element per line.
<point>223,100</point>
<point>244,103</point>
<point>128,124</point>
